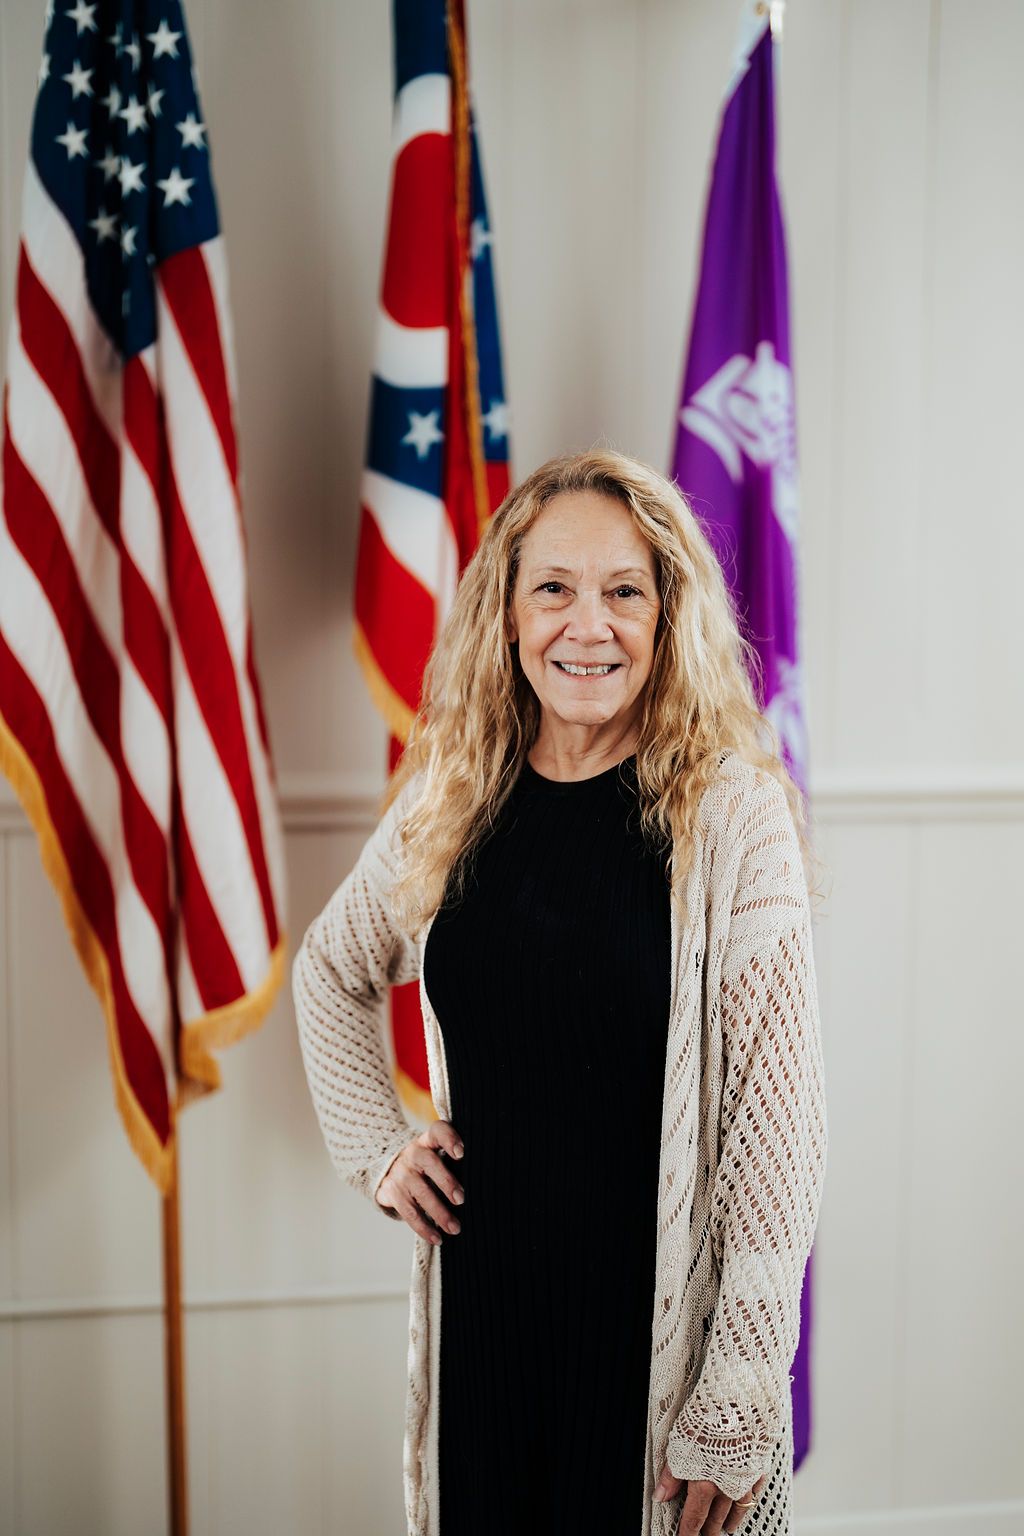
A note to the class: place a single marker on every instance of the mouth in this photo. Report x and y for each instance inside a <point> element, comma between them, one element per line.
<point>575,669</point>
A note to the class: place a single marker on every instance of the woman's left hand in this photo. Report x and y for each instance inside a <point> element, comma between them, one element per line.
<point>706,1510</point>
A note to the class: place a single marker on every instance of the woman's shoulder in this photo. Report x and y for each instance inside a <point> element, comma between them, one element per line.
<point>738,788</point>
<point>407,796</point>
<point>733,774</point>
<point>382,850</point>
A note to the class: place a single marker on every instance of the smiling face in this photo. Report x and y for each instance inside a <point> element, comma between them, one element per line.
<point>585,597</point>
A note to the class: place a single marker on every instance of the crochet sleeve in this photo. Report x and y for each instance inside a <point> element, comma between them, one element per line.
<point>773,1140</point>
<point>350,955</point>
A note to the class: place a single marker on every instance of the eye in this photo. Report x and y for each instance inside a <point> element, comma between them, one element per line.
<point>545,585</point>
<point>628,590</point>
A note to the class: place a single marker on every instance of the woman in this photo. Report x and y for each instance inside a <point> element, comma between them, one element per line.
<point>592,858</point>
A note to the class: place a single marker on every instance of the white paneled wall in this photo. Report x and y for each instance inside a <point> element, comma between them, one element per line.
<point>901,127</point>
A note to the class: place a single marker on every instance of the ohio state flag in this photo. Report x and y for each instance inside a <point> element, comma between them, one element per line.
<point>437,445</point>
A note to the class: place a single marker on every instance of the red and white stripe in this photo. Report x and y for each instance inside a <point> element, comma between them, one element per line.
<point>126,666</point>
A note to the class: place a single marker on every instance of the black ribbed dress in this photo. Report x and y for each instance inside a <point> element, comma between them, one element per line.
<point>550,980</point>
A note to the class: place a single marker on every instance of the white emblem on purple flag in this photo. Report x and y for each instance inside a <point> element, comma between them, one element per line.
<point>747,408</point>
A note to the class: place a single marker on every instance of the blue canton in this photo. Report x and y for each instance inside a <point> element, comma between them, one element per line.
<point>119,143</point>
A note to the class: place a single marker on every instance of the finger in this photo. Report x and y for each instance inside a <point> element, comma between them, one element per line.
<point>409,1192</point>
<point>734,1519</point>
<point>414,1217</point>
<point>699,1497</point>
<point>427,1179</point>
<point>742,1508</point>
<point>667,1486</point>
<point>721,1505</point>
<point>426,1196</point>
<point>441,1133</point>
<point>430,1163</point>
<point>442,1136</point>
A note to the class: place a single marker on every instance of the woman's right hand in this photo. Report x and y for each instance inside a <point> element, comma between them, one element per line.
<point>412,1183</point>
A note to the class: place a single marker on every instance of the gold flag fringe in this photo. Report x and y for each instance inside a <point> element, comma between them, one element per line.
<point>397,714</point>
<point>154,1155</point>
<point>199,1073</point>
<point>415,1099</point>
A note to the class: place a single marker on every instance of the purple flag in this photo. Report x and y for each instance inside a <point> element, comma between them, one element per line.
<point>735,450</point>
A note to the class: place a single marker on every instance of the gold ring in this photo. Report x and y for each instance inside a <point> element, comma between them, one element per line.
<point>748,1505</point>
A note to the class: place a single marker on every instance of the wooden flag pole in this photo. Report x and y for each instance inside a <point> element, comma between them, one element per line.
<point>175,1371</point>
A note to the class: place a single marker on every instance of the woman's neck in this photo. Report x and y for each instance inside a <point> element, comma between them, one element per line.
<point>568,751</point>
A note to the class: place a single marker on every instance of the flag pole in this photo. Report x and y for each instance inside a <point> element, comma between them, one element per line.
<point>175,1373</point>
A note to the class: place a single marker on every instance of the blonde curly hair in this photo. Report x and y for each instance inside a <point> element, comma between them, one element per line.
<point>479,715</point>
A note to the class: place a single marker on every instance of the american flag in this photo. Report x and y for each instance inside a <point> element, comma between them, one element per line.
<point>131,723</point>
<point>437,448</point>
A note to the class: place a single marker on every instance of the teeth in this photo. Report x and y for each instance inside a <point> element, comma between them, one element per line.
<point>574,671</point>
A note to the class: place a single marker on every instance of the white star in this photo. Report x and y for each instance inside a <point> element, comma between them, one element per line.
<point>130,176</point>
<point>105,225</point>
<point>480,237</point>
<point>78,79</point>
<point>153,101</point>
<point>73,141</point>
<point>164,41</point>
<point>116,42</point>
<point>109,165</point>
<point>175,188</point>
<point>44,69</point>
<point>128,240</point>
<point>82,16</point>
<point>497,419</point>
<point>134,114</point>
<point>49,14</point>
<point>191,133</point>
<point>133,51</point>
<point>112,102</point>
<point>423,432</point>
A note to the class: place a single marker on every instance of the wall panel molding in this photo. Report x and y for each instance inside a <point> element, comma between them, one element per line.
<point>65,1308</point>
<point>321,802</point>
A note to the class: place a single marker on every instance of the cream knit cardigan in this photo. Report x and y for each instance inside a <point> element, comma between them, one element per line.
<point>743,1145</point>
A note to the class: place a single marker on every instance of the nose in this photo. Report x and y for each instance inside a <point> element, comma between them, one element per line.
<point>587,622</point>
